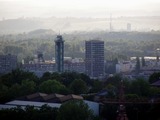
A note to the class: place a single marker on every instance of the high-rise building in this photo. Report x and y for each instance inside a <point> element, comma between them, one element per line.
<point>94,58</point>
<point>7,63</point>
<point>59,53</point>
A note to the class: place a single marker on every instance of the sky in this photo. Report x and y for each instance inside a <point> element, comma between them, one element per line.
<point>10,9</point>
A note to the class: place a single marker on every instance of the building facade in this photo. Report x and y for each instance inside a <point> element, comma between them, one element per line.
<point>59,53</point>
<point>94,58</point>
<point>7,63</point>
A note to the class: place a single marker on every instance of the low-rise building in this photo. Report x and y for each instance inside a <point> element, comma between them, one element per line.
<point>125,66</point>
<point>53,100</point>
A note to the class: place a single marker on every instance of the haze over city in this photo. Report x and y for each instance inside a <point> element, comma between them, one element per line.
<point>80,59</point>
<point>78,8</point>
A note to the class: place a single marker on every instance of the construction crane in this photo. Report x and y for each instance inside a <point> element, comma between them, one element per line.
<point>121,108</point>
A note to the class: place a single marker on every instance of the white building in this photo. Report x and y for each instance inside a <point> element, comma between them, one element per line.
<point>124,67</point>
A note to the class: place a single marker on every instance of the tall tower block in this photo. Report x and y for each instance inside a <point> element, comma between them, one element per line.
<point>59,53</point>
<point>94,58</point>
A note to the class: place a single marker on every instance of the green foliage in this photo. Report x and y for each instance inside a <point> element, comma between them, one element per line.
<point>114,80</point>
<point>28,86</point>
<point>154,91</point>
<point>69,77</point>
<point>51,86</point>
<point>136,44</point>
<point>78,86</point>
<point>74,110</point>
<point>97,86</point>
<point>45,112</point>
<point>154,77</point>
<point>14,91</point>
<point>86,78</point>
<point>48,113</point>
<point>131,97</point>
<point>46,76</point>
<point>111,91</point>
<point>19,83</point>
<point>109,111</point>
<point>56,76</point>
<point>16,76</point>
<point>3,93</point>
<point>140,87</point>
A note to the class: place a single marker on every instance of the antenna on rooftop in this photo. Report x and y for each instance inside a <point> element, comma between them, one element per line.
<point>110,23</point>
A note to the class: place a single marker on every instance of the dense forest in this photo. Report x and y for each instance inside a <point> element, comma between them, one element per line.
<point>19,83</point>
<point>120,45</point>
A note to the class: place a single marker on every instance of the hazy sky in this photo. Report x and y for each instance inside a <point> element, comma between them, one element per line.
<point>78,8</point>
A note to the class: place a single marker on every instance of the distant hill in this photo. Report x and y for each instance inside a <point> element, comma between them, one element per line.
<point>41,32</point>
<point>70,24</point>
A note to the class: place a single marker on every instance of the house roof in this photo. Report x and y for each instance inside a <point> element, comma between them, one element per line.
<point>12,104</point>
<point>30,97</point>
<point>39,97</point>
<point>102,93</point>
<point>53,96</point>
<point>36,95</point>
<point>71,97</point>
<point>157,83</point>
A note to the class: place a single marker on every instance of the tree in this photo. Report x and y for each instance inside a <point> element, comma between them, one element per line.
<point>114,80</point>
<point>69,77</point>
<point>131,97</point>
<point>46,76</point>
<point>140,87</point>
<point>86,78</point>
<point>56,76</point>
<point>28,87</point>
<point>111,91</point>
<point>78,86</point>
<point>14,91</point>
<point>17,76</point>
<point>97,86</point>
<point>51,86</point>
<point>74,110</point>
<point>45,112</point>
<point>154,77</point>
<point>3,93</point>
<point>154,91</point>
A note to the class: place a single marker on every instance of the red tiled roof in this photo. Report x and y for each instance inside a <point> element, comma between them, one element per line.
<point>52,96</point>
<point>71,97</point>
<point>35,95</point>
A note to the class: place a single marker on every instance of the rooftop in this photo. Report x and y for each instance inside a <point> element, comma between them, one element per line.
<point>43,97</point>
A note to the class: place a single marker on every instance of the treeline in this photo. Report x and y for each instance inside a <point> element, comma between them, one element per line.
<point>73,110</point>
<point>134,111</point>
<point>80,111</point>
<point>19,83</point>
<point>117,44</point>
